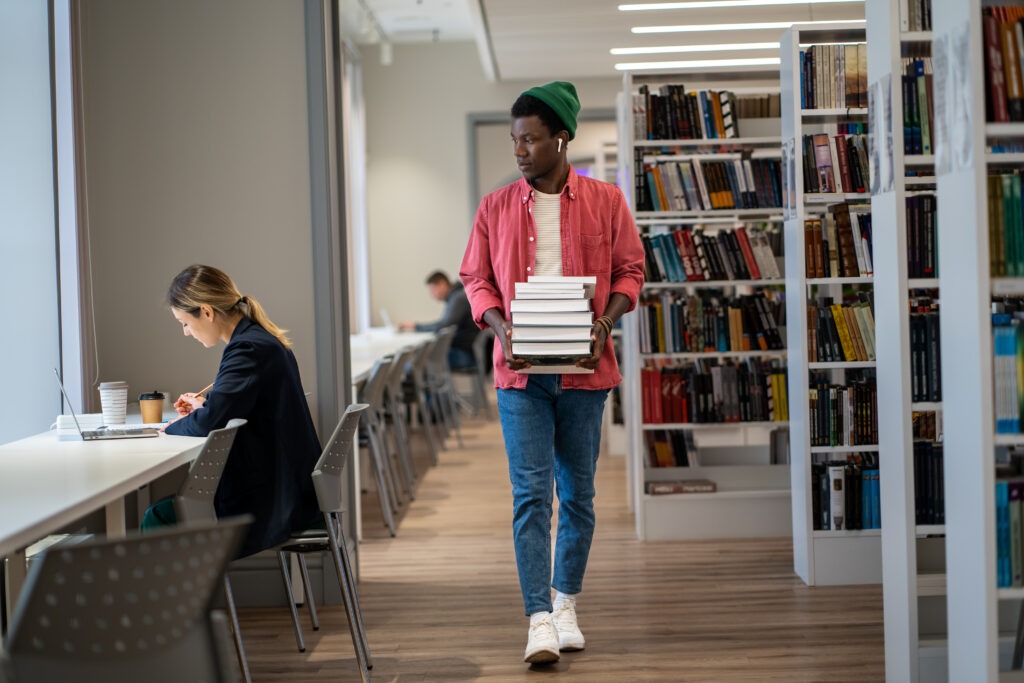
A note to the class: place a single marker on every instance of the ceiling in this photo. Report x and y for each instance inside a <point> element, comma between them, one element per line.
<point>544,39</point>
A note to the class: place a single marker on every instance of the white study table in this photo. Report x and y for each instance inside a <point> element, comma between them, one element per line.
<point>368,347</point>
<point>47,483</point>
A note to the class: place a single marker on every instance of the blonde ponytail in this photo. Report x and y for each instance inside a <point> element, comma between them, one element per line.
<point>198,285</point>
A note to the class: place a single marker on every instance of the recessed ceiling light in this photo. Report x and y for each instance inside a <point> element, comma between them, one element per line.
<point>693,28</point>
<point>668,49</point>
<point>698,64</point>
<point>705,4</point>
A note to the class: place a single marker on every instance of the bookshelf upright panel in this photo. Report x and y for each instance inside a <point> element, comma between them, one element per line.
<point>898,46</point>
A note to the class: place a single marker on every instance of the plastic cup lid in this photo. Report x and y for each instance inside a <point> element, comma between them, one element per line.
<point>113,385</point>
<point>152,396</point>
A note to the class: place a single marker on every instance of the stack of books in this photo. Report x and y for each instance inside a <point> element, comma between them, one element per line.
<point>552,321</point>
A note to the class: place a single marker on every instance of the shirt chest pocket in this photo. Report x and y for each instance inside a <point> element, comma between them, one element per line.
<point>595,250</point>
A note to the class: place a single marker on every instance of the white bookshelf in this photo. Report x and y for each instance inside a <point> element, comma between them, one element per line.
<point>819,557</point>
<point>907,580</point>
<point>752,497</point>
<point>977,608</point>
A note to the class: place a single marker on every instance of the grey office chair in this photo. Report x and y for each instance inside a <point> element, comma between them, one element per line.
<point>194,503</point>
<point>393,419</point>
<point>330,494</point>
<point>439,385</point>
<point>372,393</point>
<point>123,610</point>
<point>417,401</point>
<point>479,372</point>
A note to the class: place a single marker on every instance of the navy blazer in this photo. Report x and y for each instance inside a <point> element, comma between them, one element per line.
<point>268,472</point>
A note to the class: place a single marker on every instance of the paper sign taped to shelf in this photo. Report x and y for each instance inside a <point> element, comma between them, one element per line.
<point>881,164</point>
<point>954,125</point>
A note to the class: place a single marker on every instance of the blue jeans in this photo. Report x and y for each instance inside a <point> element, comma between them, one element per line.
<point>552,438</point>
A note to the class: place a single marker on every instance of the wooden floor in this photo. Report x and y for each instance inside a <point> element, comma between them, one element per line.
<point>441,601</point>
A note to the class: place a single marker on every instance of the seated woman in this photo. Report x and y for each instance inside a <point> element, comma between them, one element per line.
<point>268,472</point>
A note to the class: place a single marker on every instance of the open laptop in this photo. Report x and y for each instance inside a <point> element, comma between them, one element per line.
<point>386,318</point>
<point>105,432</point>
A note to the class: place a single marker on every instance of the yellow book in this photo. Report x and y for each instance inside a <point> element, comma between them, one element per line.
<point>845,340</point>
<point>782,400</point>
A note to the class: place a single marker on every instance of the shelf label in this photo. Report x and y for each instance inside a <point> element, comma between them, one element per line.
<point>954,125</point>
<point>881,164</point>
<point>789,180</point>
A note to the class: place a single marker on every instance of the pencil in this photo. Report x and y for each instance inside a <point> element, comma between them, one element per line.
<point>208,387</point>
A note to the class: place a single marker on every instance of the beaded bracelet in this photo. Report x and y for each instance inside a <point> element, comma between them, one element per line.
<point>607,323</point>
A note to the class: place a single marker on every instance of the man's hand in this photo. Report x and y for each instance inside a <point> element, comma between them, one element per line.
<point>503,333</point>
<point>188,402</point>
<point>406,326</point>
<point>598,335</point>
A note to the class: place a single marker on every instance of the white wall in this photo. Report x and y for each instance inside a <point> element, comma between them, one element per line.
<point>419,210</point>
<point>29,335</point>
<point>196,139</point>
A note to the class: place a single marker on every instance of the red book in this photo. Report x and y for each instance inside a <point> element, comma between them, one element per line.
<point>645,395</point>
<point>844,164</point>
<point>656,413</point>
<point>691,251</point>
<point>684,256</point>
<point>666,397</point>
<point>1000,112</point>
<point>748,253</point>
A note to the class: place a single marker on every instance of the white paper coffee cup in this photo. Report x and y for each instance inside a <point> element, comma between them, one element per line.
<point>114,401</point>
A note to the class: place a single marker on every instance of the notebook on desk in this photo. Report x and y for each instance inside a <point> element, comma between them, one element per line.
<point>104,432</point>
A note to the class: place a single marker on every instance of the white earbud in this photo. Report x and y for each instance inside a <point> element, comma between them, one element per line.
<point>559,144</point>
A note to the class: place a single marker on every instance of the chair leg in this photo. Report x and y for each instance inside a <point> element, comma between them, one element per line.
<point>352,611</point>
<point>401,439</point>
<point>239,646</point>
<point>453,410</point>
<point>391,457</point>
<point>286,577</point>
<point>386,465</point>
<point>307,588</point>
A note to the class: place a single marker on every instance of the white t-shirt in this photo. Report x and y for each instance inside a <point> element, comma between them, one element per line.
<point>547,214</point>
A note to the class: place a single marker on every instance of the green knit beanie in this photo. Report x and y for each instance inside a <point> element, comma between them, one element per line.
<point>561,97</point>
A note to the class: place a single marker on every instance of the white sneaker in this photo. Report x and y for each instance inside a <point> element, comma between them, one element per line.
<point>542,646</point>
<point>570,638</point>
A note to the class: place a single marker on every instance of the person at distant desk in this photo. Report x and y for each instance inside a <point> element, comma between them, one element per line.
<point>456,312</point>
<point>268,472</point>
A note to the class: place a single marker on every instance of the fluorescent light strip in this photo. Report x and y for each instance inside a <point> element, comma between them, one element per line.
<point>670,49</point>
<point>693,28</point>
<point>698,64</point>
<point>706,4</point>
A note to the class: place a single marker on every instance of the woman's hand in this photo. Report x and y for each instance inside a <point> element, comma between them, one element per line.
<point>188,402</point>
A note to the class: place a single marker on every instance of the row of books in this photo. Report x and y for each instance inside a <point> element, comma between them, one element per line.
<point>926,425</point>
<point>695,184</point>
<point>1007,370</point>
<point>929,490</point>
<point>844,415</point>
<point>845,497</point>
<point>706,323</point>
<point>918,105</point>
<point>925,350</point>
<point>1003,38</point>
<point>916,15</point>
<point>1009,533</point>
<point>834,76</point>
<point>840,332</point>
<point>672,113</point>
<point>836,163</point>
<point>671,448</point>
<point>1005,224</point>
<point>838,244</point>
<point>696,255</point>
<point>766,106</point>
<point>922,242</point>
<point>711,392</point>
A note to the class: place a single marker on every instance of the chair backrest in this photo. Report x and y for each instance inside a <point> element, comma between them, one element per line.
<point>437,362</point>
<point>121,610</point>
<point>481,350</point>
<point>397,370</point>
<point>327,474</point>
<point>372,391</point>
<point>194,502</point>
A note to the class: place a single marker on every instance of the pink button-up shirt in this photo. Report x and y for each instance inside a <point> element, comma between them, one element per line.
<point>599,238</point>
